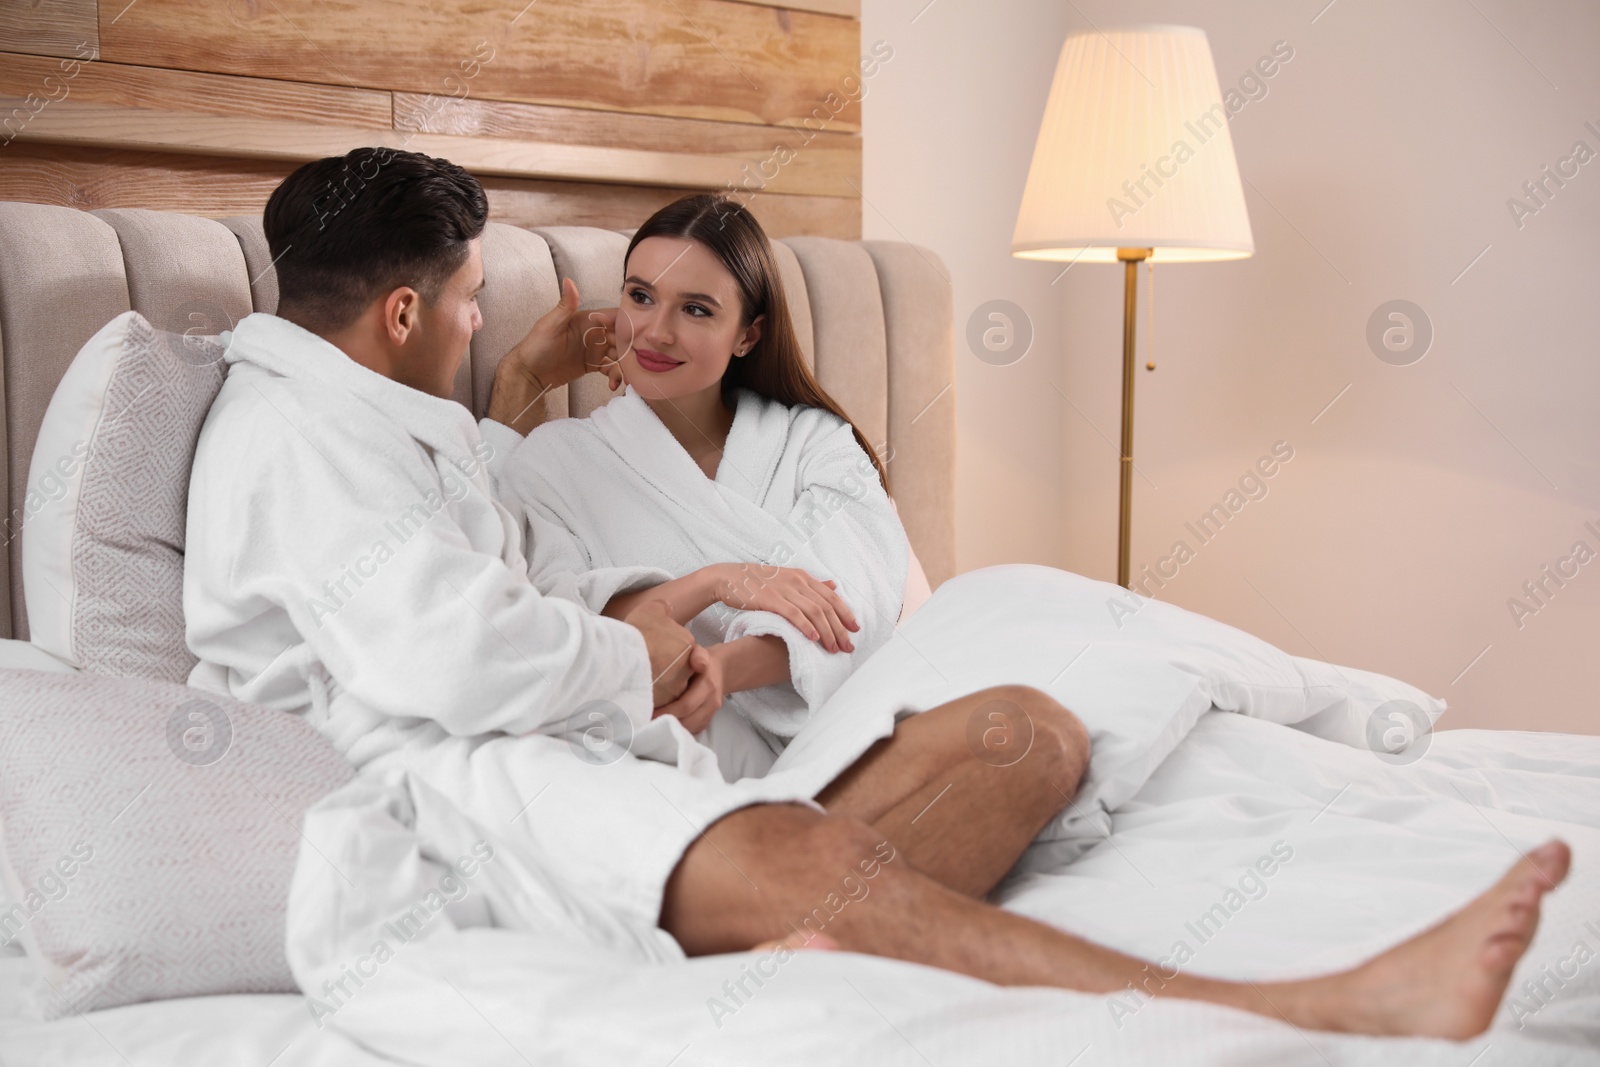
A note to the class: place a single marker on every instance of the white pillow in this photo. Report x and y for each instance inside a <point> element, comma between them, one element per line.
<point>1138,674</point>
<point>1245,674</point>
<point>151,832</point>
<point>104,516</point>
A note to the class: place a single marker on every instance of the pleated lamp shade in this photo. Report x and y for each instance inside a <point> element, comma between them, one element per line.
<point>1134,152</point>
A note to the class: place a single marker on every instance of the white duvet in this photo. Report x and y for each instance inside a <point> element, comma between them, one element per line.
<point>1222,841</point>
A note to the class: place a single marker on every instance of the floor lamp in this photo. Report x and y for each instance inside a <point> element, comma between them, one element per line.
<point>1133,162</point>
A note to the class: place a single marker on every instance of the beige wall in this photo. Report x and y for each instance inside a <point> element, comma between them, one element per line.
<point>1378,166</point>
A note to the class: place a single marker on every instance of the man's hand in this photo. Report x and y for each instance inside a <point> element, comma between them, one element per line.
<point>706,692</point>
<point>562,347</point>
<point>671,649</point>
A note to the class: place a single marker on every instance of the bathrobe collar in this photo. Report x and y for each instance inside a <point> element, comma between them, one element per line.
<point>750,455</point>
<point>284,348</point>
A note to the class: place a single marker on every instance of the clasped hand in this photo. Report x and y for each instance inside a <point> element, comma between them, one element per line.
<point>691,682</point>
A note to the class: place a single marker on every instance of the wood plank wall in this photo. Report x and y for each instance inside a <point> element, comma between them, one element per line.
<point>592,111</point>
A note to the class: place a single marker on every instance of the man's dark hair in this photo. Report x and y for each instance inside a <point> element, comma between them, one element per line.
<point>348,229</point>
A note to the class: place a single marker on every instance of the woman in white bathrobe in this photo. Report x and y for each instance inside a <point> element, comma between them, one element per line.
<point>725,467</point>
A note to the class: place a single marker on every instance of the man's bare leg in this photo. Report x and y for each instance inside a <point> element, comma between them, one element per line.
<point>962,788</point>
<point>759,873</point>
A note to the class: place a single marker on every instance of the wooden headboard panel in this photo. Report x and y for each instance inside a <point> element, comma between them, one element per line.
<point>593,114</point>
<point>168,123</point>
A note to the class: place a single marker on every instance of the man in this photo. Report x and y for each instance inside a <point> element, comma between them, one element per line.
<point>346,560</point>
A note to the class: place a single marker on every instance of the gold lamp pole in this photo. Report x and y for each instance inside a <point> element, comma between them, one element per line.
<point>1133,162</point>
<point>1131,257</point>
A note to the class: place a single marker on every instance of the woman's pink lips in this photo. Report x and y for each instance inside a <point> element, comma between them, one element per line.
<point>655,361</point>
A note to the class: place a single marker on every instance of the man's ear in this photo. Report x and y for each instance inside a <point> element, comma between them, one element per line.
<point>400,311</point>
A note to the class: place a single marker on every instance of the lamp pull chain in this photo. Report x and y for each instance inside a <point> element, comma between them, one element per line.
<point>1150,332</point>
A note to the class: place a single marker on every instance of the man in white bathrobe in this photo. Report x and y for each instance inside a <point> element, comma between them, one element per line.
<point>347,560</point>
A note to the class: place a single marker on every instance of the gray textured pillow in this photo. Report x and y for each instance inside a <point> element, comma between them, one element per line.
<point>150,833</point>
<point>108,490</point>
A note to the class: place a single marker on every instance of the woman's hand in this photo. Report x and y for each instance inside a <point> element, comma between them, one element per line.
<point>706,692</point>
<point>809,604</point>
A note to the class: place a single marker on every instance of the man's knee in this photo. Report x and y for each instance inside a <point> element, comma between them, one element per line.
<point>1059,742</point>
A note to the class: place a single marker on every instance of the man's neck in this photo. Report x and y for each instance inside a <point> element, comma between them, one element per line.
<point>356,341</point>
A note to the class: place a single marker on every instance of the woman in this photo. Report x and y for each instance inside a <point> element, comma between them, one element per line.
<point>728,469</point>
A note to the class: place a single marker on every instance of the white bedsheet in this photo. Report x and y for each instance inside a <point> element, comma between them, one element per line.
<point>1388,855</point>
<point>198,1031</point>
<point>1365,854</point>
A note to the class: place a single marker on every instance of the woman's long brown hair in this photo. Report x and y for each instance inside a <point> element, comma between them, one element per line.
<point>775,368</point>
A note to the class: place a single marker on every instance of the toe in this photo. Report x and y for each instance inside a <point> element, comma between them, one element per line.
<point>1553,858</point>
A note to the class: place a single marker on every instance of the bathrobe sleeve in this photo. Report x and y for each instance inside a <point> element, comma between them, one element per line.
<point>842,526</point>
<point>350,529</point>
<point>558,563</point>
<point>559,566</point>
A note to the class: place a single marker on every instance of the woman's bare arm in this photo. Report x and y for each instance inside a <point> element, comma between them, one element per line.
<point>752,662</point>
<point>810,605</point>
<point>684,597</point>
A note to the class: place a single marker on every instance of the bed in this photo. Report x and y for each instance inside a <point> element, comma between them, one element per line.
<point>1366,850</point>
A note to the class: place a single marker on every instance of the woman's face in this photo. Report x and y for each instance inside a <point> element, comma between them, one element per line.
<point>678,319</point>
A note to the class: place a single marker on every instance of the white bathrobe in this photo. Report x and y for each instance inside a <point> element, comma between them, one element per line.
<point>607,495</point>
<point>346,559</point>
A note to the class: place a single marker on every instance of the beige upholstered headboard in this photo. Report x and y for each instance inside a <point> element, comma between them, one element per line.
<point>874,316</point>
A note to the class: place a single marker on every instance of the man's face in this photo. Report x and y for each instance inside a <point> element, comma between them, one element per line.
<point>433,351</point>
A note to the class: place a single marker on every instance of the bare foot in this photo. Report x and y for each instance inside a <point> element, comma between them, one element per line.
<point>1447,981</point>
